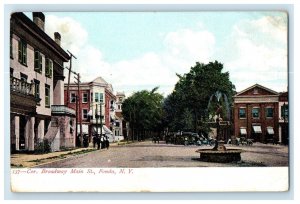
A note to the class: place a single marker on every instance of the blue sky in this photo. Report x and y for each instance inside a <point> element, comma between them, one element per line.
<point>141,50</point>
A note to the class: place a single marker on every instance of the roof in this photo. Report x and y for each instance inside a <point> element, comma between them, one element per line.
<point>35,31</point>
<point>256,86</point>
<point>99,80</point>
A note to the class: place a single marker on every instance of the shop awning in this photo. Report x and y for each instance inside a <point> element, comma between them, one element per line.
<point>257,128</point>
<point>270,130</point>
<point>243,131</point>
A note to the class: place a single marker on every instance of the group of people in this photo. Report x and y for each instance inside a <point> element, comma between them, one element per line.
<point>101,141</point>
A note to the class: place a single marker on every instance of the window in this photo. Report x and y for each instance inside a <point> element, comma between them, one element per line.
<point>84,97</point>
<point>11,72</point>
<point>119,107</point>
<point>242,113</point>
<point>101,97</point>
<point>48,67</point>
<point>117,124</point>
<point>36,88</point>
<point>22,50</point>
<point>23,77</point>
<point>47,96</point>
<point>96,97</point>
<point>120,99</point>
<point>285,111</point>
<point>84,114</point>
<point>92,97</point>
<point>11,47</point>
<point>269,112</point>
<point>37,61</point>
<point>73,98</point>
<point>255,91</point>
<point>255,112</point>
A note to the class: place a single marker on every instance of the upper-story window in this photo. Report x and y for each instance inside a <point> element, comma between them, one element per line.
<point>120,99</point>
<point>269,112</point>
<point>22,51</point>
<point>11,72</point>
<point>47,96</point>
<point>84,97</point>
<point>242,113</point>
<point>284,111</point>
<point>96,97</point>
<point>38,61</point>
<point>84,114</point>
<point>72,97</point>
<point>255,112</point>
<point>91,96</point>
<point>36,88</point>
<point>23,77</point>
<point>99,97</point>
<point>48,67</point>
<point>11,47</point>
<point>255,91</point>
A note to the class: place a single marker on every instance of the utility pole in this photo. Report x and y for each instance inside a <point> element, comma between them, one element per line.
<point>70,70</point>
<point>101,120</point>
<point>79,106</point>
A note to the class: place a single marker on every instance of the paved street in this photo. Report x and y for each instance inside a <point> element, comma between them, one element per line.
<point>148,154</point>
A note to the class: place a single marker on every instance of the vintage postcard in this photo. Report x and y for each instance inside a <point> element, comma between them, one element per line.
<point>149,101</point>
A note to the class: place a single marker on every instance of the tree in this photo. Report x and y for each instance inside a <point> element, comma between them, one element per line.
<point>192,93</point>
<point>143,111</point>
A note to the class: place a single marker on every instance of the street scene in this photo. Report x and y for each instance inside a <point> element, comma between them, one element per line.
<point>147,89</point>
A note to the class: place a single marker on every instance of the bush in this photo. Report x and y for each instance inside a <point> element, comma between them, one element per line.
<point>43,147</point>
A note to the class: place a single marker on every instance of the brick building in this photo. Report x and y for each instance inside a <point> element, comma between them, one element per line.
<point>283,118</point>
<point>256,114</point>
<point>37,110</point>
<point>95,98</point>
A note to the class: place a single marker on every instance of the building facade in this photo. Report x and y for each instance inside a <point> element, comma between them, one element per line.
<point>95,107</point>
<point>120,130</point>
<point>256,114</point>
<point>37,108</point>
<point>283,118</point>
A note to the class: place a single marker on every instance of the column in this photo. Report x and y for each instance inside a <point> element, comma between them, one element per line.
<point>41,130</point>
<point>279,134</point>
<point>29,136</point>
<point>17,131</point>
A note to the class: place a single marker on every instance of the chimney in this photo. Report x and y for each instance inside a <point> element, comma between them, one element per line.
<point>39,19</point>
<point>57,38</point>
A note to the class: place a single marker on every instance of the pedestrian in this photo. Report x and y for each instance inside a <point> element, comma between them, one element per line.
<point>107,143</point>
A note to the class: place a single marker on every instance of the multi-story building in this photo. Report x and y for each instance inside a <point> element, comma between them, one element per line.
<point>256,114</point>
<point>120,129</point>
<point>283,118</point>
<point>37,108</point>
<point>94,107</point>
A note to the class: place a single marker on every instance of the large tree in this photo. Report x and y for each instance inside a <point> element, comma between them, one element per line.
<point>143,111</point>
<point>192,94</point>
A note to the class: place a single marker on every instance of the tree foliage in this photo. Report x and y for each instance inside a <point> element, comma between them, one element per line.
<point>143,111</point>
<point>190,98</point>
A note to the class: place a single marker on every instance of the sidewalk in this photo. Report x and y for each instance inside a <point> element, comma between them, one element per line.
<point>31,160</point>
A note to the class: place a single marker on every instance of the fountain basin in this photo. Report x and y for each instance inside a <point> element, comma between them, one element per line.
<point>220,156</point>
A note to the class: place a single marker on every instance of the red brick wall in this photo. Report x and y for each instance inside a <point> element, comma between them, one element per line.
<point>262,120</point>
<point>83,105</point>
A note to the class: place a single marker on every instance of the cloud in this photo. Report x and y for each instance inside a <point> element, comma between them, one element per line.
<point>258,53</point>
<point>254,52</point>
<point>147,71</point>
<point>73,35</point>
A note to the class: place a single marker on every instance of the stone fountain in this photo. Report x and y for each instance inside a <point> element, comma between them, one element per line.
<point>219,153</point>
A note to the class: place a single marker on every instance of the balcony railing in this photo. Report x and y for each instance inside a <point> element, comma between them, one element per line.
<point>62,110</point>
<point>17,85</point>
